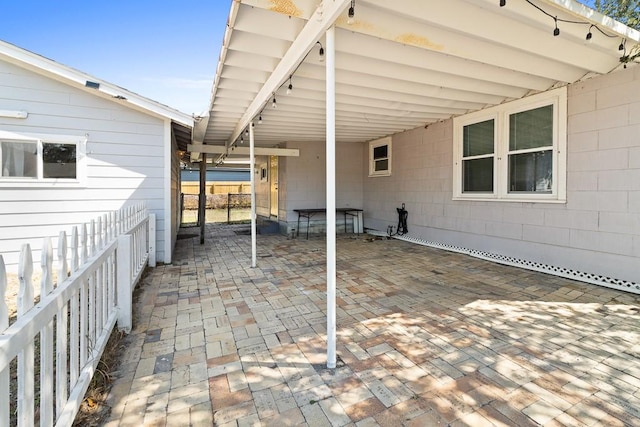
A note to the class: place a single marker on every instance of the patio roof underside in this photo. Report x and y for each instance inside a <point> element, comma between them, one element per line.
<point>401,64</point>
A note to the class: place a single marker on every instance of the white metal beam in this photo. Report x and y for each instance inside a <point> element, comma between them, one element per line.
<point>330,52</point>
<point>310,34</point>
<point>244,151</point>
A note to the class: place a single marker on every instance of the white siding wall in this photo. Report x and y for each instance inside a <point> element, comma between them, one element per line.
<point>596,231</point>
<point>124,159</point>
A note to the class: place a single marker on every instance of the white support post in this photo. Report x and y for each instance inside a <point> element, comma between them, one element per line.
<point>124,291</point>
<point>331,196</point>
<point>252,159</point>
<point>152,240</point>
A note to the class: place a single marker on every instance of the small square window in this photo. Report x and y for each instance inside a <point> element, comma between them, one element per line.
<point>42,160</point>
<point>19,159</point>
<point>380,157</point>
<point>59,160</point>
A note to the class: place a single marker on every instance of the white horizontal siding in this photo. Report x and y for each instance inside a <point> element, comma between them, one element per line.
<point>124,160</point>
<point>80,206</point>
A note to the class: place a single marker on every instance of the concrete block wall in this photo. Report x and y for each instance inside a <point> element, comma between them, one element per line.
<point>305,182</point>
<point>598,229</point>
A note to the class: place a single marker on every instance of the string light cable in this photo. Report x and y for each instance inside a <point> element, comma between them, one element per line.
<point>273,101</point>
<point>625,58</point>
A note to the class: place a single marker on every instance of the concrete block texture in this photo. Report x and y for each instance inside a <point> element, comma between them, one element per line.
<point>617,159</point>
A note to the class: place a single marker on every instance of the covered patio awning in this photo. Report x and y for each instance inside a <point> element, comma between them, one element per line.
<point>358,70</point>
<point>400,64</point>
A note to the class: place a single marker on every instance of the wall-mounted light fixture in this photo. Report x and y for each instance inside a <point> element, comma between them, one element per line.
<point>18,114</point>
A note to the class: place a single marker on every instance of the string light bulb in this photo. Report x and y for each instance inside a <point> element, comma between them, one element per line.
<point>246,132</point>
<point>290,87</point>
<point>503,3</point>
<point>589,34</point>
<point>352,13</point>
<point>273,103</point>
<point>321,52</point>
<point>260,119</point>
<point>556,31</point>
<point>622,43</point>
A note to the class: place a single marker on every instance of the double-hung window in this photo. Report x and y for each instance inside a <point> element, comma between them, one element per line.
<point>26,159</point>
<point>478,157</point>
<point>380,157</point>
<point>515,151</point>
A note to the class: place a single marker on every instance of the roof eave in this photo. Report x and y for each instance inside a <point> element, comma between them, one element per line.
<point>592,15</point>
<point>42,65</point>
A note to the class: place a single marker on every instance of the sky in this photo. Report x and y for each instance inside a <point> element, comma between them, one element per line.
<point>165,50</point>
<point>161,49</point>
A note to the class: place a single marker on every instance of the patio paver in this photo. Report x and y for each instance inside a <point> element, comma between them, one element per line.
<point>425,337</point>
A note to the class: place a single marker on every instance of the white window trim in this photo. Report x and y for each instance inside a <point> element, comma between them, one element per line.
<point>81,161</point>
<point>500,113</point>
<point>375,144</point>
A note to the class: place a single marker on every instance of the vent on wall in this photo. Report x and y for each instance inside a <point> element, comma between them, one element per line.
<point>623,285</point>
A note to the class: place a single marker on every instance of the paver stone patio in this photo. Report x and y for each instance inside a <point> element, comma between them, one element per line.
<point>426,337</point>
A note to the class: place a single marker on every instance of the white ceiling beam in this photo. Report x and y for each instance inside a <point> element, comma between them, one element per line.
<point>500,30</point>
<point>253,43</point>
<point>237,58</point>
<point>436,88</point>
<point>426,31</point>
<point>295,8</point>
<point>313,30</point>
<point>233,12</point>
<point>413,56</point>
<point>282,26</point>
<point>243,151</point>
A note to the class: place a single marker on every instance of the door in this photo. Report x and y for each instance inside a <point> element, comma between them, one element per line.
<point>273,175</point>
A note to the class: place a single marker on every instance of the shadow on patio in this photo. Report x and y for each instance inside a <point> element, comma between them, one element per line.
<point>425,337</point>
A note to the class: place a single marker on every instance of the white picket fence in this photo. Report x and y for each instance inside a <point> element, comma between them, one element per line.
<point>98,268</point>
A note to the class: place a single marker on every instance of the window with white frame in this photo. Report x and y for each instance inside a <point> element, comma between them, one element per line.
<point>515,151</point>
<point>28,158</point>
<point>380,157</point>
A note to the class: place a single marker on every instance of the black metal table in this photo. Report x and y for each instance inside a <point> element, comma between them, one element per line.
<point>309,213</point>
